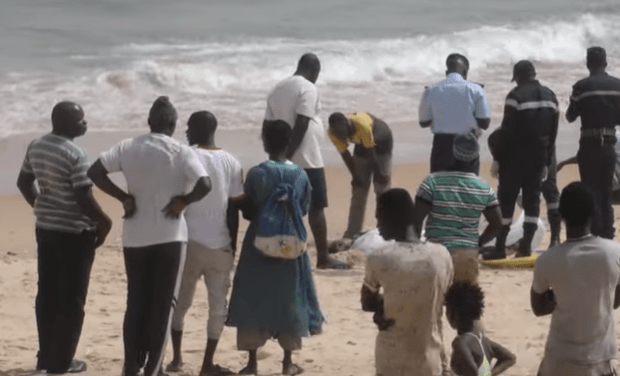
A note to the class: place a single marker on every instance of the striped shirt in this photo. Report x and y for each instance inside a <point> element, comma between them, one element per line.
<point>596,99</point>
<point>59,167</point>
<point>529,127</point>
<point>458,200</point>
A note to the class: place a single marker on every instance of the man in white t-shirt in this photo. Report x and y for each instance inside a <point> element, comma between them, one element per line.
<point>296,101</point>
<point>212,232</point>
<point>160,172</point>
<point>578,282</point>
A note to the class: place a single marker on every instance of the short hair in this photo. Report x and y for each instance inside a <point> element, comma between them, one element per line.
<point>453,61</point>
<point>203,125</point>
<point>336,118</point>
<point>467,300</point>
<point>397,207</point>
<point>576,204</point>
<point>308,61</point>
<point>162,113</point>
<point>276,135</point>
<point>596,57</point>
<point>61,111</point>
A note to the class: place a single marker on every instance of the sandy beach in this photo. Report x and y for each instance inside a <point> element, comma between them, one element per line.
<point>345,348</point>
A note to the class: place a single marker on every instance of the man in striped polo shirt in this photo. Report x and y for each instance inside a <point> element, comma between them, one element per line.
<point>453,200</point>
<point>526,145</point>
<point>70,225</point>
<point>596,99</point>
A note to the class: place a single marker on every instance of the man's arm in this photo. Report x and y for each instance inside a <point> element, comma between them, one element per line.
<point>90,207</point>
<point>571,160</point>
<point>617,297</point>
<point>232,220</point>
<point>426,124</point>
<point>494,216</point>
<point>177,204</point>
<point>483,123</point>
<point>421,209</point>
<point>25,183</point>
<point>297,136</point>
<point>347,158</point>
<point>99,176</point>
<point>572,112</point>
<point>425,113</point>
<point>542,304</point>
<point>505,358</point>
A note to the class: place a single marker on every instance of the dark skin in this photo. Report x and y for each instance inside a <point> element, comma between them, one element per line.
<point>173,210</point>
<point>372,301</point>
<point>493,215</point>
<point>344,131</point>
<point>202,134</point>
<point>68,121</point>
<point>309,68</point>
<point>544,304</point>
<point>288,367</point>
<point>460,67</point>
<point>572,112</point>
<point>467,355</point>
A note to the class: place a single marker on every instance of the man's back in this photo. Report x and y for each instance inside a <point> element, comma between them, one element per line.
<point>597,100</point>
<point>294,96</point>
<point>59,166</point>
<point>453,105</point>
<point>583,275</point>
<point>458,200</point>
<point>414,277</point>
<point>206,219</point>
<point>156,168</point>
<point>530,122</point>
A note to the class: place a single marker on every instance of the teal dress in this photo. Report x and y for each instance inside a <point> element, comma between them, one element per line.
<point>274,295</point>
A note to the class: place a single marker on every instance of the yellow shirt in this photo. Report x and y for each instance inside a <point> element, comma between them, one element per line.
<point>363,132</point>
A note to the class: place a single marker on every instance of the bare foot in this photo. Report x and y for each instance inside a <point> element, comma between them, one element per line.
<point>292,369</point>
<point>174,367</point>
<point>249,370</point>
<point>332,263</point>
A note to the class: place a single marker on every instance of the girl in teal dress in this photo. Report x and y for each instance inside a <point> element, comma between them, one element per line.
<point>273,297</point>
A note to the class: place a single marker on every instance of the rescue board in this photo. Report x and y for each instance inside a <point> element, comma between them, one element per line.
<point>519,262</point>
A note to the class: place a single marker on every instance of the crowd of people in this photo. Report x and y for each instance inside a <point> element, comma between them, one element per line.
<point>181,220</point>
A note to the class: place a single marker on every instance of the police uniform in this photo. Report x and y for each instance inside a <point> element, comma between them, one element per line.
<point>526,144</point>
<point>596,99</point>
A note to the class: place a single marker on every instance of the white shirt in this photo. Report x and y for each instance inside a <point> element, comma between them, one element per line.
<point>156,168</point>
<point>206,219</point>
<point>583,275</point>
<point>297,96</point>
<point>453,105</point>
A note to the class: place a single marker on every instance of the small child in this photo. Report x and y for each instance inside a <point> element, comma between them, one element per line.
<point>471,352</point>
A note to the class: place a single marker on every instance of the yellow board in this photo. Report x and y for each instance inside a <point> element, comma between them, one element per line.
<point>519,262</point>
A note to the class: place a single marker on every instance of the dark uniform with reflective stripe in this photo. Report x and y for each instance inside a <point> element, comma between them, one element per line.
<point>526,146</point>
<point>596,99</point>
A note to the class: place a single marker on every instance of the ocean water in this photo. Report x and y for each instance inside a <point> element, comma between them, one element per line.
<point>116,56</point>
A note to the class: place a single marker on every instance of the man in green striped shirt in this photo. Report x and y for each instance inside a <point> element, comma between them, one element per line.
<point>452,202</point>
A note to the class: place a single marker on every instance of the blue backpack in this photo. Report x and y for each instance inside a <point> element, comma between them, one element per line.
<point>281,232</point>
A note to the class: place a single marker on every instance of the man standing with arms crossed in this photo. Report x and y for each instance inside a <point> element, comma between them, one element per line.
<point>451,107</point>
<point>212,226</point>
<point>70,225</point>
<point>596,99</point>
<point>525,149</point>
<point>160,172</point>
<point>296,101</point>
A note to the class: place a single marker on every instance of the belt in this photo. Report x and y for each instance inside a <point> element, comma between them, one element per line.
<point>598,132</point>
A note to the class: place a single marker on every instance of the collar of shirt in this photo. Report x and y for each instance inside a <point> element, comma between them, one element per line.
<point>455,77</point>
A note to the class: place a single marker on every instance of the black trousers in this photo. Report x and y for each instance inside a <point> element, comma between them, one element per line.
<point>550,190</point>
<point>153,280</point>
<point>64,262</point>
<point>442,155</point>
<point>597,158</point>
<point>515,176</point>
